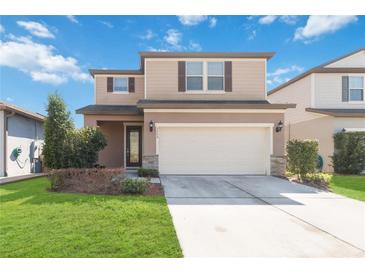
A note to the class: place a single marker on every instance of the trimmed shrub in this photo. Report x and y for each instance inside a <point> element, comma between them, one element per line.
<point>134,185</point>
<point>65,146</point>
<point>148,172</point>
<point>349,154</point>
<point>302,156</point>
<point>318,178</point>
<point>83,180</point>
<point>57,126</point>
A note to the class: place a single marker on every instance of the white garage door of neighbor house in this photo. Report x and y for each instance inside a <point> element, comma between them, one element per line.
<point>214,150</point>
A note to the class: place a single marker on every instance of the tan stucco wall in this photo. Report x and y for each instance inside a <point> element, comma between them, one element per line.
<point>113,154</point>
<point>150,137</point>
<point>320,129</point>
<point>248,81</point>
<point>91,120</point>
<point>112,128</point>
<point>110,98</point>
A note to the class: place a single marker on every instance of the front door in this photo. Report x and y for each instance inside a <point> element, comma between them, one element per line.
<point>134,146</point>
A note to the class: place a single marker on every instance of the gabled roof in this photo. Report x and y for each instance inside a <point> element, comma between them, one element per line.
<point>323,69</point>
<point>156,54</point>
<point>23,112</point>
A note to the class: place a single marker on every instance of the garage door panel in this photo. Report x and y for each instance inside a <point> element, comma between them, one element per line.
<point>213,150</point>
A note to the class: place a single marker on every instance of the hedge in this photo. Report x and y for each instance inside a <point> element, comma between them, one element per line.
<point>302,156</point>
<point>349,152</point>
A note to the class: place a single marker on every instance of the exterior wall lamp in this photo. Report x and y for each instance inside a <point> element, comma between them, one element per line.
<point>151,125</point>
<point>279,127</point>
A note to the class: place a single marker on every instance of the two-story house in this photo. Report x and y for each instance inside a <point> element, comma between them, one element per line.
<point>329,98</point>
<point>190,113</point>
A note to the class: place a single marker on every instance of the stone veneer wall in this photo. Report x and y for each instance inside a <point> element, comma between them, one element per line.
<point>278,165</point>
<point>150,161</point>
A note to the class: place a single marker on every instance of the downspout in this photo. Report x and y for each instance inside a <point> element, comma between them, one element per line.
<point>11,114</point>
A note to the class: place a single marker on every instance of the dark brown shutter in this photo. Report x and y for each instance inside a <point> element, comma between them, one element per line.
<point>131,84</point>
<point>109,86</point>
<point>181,76</point>
<point>228,76</point>
<point>345,88</point>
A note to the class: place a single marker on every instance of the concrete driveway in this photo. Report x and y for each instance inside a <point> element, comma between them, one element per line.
<point>261,216</point>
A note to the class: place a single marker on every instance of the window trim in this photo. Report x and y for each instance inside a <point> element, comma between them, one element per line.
<point>119,91</point>
<point>204,76</point>
<point>363,90</point>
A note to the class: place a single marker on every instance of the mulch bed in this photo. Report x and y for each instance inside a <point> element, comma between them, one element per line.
<point>319,185</point>
<point>94,181</point>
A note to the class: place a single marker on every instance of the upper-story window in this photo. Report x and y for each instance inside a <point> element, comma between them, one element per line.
<point>204,76</point>
<point>356,88</point>
<point>194,76</point>
<point>120,84</point>
<point>215,76</point>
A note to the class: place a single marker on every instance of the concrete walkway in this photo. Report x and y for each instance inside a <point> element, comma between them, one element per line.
<point>12,179</point>
<point>261,216</point>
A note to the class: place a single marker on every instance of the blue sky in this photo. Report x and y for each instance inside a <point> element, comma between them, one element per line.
<point>42,54</point>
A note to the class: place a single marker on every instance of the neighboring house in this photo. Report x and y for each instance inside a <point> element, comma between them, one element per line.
<point>329,99</point>
<point>190,113</point>
<point>21,140</point>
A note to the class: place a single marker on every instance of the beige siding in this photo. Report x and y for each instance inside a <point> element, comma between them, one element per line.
<point>248,81</point>
<point>298,93</point>
<point>103,97</point>
<point>302,125</point>
<point>356,60</point>
<point>328,91</point>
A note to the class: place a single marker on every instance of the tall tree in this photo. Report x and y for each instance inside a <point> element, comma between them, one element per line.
<point>57,127</point>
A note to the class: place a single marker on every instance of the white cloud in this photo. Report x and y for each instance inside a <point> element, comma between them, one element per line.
<point>173,38</point>
<point>281,71</point>
<point>212,22</point>
<point>156,49</point>
<point>107,24</point>
<point>148,35</point>
<point>252,35</point>
<point>192,20</point>
<point>268,19</point>
<point>289,19</point>
<point>2,29</point>
<point>318,25</point>
<point>73,19</point>
<point>195,46</point>
<point>48,78</point>
<point>35,28</point>
<point>9,99</point>
<point>277,77</point>
<point>39,61</point>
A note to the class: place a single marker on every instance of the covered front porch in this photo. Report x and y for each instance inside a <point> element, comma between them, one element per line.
<point>123,130</point>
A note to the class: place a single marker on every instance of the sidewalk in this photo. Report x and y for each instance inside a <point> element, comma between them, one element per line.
<point>12,179</point>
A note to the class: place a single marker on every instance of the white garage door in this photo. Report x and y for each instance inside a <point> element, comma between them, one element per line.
<point>214,150</point>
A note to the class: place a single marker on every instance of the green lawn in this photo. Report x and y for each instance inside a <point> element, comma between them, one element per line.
<point>350,186</point>
<point>38,223</point>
